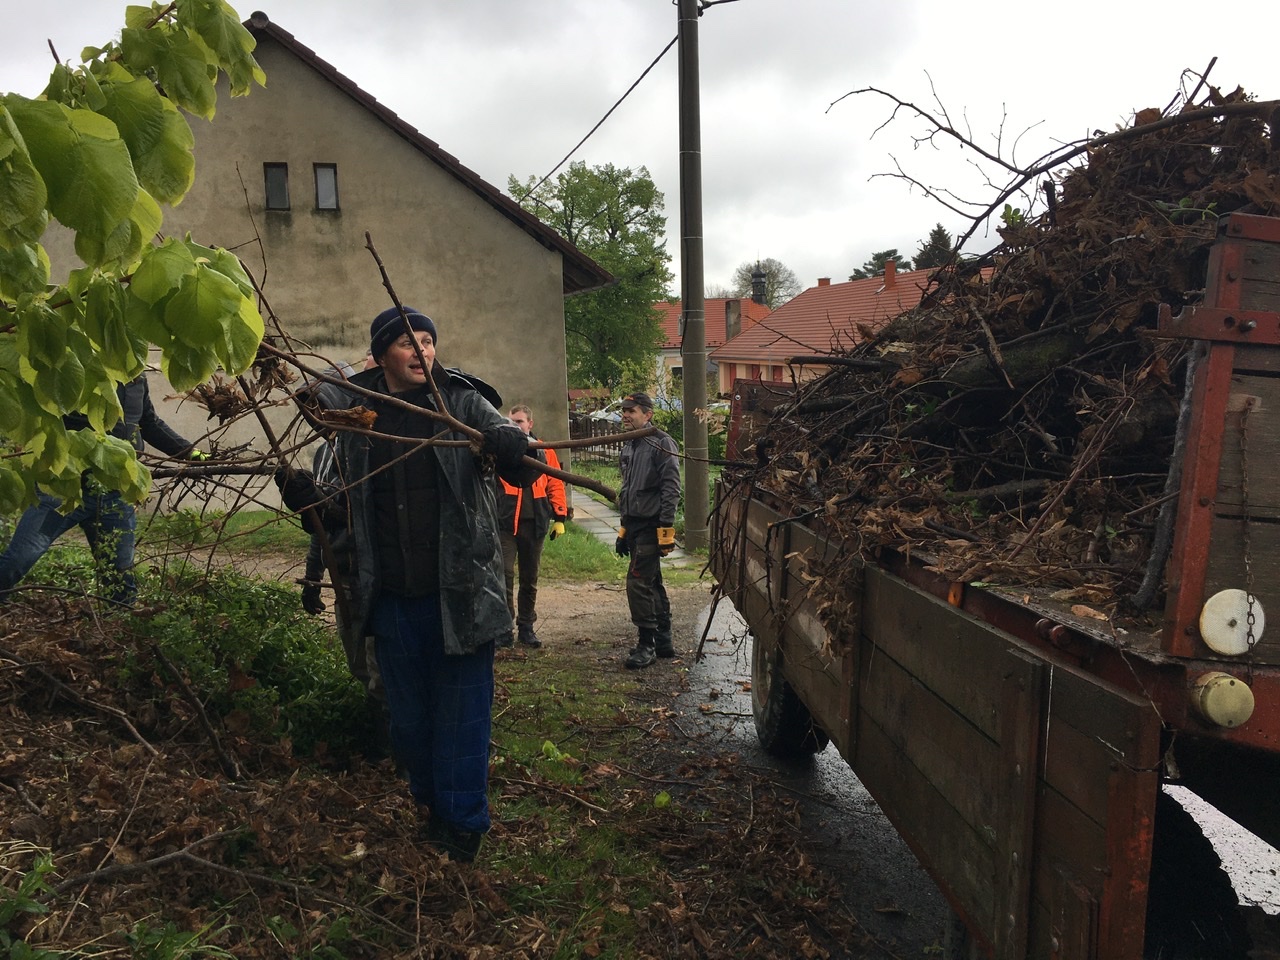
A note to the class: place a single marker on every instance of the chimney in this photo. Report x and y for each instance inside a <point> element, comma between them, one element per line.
<point>890,272</point>
<point>758,284</point>
<point>732,319</point>
<point>824,281</point>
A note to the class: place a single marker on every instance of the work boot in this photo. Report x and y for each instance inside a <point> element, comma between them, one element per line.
<point>662,645</point>
<point>527,636</point>
<point>459,845</point>
<point>642,654</point>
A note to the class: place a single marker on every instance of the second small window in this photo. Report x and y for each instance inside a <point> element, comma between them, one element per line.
<point>326,186</point>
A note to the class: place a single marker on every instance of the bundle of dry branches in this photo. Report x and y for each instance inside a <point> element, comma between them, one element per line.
<point>1017,427</point>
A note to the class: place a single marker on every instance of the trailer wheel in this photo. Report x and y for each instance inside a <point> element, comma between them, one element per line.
<point>784,725</point>
<point>1193,912</point>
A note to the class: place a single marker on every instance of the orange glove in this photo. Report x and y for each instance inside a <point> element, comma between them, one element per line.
<point>666,540</point>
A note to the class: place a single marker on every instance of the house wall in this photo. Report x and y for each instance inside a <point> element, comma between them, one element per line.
<point>495,294</point>
<point>770,372</point>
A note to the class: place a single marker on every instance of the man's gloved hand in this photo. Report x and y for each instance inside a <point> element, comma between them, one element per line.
<point>298,491</point>
<point>666,540</point>
<point>195,453</point>
<point>620,546</point>
<point>507,444</point>
<point>311,601</point>
<point>557,529</point>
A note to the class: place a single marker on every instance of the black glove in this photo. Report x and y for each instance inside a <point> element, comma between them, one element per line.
<point>620,547</point>
<point>507,444</point>
<point>297,488</point>
<point>311,601</point>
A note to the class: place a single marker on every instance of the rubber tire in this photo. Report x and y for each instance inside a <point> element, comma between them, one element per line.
<point>1193,912</point>
<point>784,725</point>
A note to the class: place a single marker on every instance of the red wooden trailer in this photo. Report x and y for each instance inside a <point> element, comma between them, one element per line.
<point>1020,749</point>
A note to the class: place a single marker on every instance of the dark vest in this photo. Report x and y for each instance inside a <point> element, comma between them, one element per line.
<point>406,498</point>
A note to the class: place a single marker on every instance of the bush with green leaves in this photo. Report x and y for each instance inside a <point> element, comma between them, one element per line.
<point>244,646</point>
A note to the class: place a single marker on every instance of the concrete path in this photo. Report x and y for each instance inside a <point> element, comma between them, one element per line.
<point>601,520</point>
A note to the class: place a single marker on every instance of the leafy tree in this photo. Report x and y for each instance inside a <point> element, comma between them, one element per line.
<point>875,266</point>
<point>99,151</point>
<point>615,217</point>
<point>780,281</point>
<point>935,251</point>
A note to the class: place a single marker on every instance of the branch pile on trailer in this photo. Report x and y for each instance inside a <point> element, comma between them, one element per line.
<point>1018,426</point>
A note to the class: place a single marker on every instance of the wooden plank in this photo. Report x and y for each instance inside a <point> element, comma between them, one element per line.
<point>1262,438</point>
<point>956,855</point>
<point>1260,280</point>
<point>949,753</point>
<point>1130,828</point>
<point>929,638</point>
<point>1022,704</point>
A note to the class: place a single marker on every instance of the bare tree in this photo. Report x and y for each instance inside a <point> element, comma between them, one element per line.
<point>780,281</point>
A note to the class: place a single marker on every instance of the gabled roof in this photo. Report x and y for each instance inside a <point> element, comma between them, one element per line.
<point>826,316</point>
<point>714,312</point>
<point>581,273</point>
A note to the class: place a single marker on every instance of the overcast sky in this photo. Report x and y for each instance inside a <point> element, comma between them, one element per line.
<point>509,86</point>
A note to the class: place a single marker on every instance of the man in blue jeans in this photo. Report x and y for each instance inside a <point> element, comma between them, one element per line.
<point>428,580</point>
<point>107,519</point>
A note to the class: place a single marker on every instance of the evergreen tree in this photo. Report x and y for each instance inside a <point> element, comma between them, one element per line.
<point>875,266</point>
<point>935,251</point>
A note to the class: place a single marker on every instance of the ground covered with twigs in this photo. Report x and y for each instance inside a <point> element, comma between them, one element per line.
<point>126,833</point>
<point>1017,427</point>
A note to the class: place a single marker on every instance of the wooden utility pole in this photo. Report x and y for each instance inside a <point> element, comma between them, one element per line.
<point>693,333</point>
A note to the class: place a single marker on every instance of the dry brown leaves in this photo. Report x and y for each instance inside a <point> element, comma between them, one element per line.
<point>1024,430</point>
<point>125,791</point>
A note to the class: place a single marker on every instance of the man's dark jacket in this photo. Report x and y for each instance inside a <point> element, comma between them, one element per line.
<point>473,593</point>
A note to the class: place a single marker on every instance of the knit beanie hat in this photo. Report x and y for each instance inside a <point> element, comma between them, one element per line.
<point>387,327</point>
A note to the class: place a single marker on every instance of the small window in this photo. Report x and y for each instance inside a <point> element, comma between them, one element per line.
<point>276,176</point>
<point>326,186</point>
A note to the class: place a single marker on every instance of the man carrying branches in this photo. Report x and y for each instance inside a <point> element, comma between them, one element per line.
<point>428,561</point>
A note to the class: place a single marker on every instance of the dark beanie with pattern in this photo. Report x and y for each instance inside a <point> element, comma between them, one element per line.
<point>387,327</point>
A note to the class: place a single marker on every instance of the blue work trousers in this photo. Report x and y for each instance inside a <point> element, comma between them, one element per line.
<point>441,709</point>
<point>109,524</point>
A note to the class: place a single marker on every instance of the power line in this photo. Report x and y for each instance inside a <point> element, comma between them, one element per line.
<point>604,118</point>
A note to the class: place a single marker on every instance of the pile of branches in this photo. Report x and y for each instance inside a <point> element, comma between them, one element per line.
<point>154,851</point>
<point>1018,426</point>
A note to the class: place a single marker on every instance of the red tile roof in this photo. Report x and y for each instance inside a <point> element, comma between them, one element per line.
<point>825,317</point>
<point>714,311</point>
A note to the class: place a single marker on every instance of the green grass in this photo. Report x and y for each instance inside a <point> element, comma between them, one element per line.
<point>251,531</point>
<point>576,869</point>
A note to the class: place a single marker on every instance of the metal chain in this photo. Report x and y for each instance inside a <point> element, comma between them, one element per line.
<point>1251,618</point>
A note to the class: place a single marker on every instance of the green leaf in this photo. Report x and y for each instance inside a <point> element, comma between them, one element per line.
<point>15,493</point>
<point>662,800</point>
<point>244,336</point>
<point>122,354</point>
<point>157,135</point>
<point>161,272</point>
<point>181,61</point>
<point>186,368</point>
<point>198,313</point>
<point>23,197</point>
<point>25,269</point>
<point>224,262</point>
<point>85,166</point>
<point>220,28</point>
